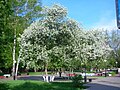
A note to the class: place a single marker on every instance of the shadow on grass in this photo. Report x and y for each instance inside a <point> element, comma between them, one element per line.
<point>4,86</point>
<point>32,86</point>
<point>28,85</point>
<point>66,86</point>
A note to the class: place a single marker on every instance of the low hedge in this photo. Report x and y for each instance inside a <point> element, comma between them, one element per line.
<point>1,74</point>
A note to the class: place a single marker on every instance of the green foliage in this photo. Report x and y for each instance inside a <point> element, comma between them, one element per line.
<point>113,39</point>
<point>47,40</point>
<point>6,33</point>
<point>27,10</point>
<point>112,73</point>
<point>60,42</point>
<point>15,15</point>
<point>1,74</point>
<point>77,81</point>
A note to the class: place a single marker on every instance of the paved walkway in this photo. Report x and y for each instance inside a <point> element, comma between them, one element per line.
<point>107,83</point>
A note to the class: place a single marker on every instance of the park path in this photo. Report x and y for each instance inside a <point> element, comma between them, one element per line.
<point>107,83</point>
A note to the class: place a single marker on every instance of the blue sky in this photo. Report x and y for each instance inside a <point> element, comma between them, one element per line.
<point>89,13</point>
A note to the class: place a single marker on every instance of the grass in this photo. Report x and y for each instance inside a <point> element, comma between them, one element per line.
<point>95,77</point>
<point>36,85</point>
<point>36,73</point>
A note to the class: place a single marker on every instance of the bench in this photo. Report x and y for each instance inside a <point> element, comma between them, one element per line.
<point>6,75</point>
<point>2,77</point>
<point>70,75</point>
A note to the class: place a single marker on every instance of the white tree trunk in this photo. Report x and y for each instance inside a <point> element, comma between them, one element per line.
<point>14,58</point>
<point>35,69</point>
<point>45,78</point>
<point>46,73</point>
<point>17,67</point>
<point>52,78</point>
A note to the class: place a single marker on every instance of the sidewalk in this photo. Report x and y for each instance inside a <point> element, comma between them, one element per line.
<point>107,83</point>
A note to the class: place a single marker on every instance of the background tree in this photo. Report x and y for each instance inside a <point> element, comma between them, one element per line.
<point>6,35</point>
<point>56,41</point>
<point>91,46</point>
<point>101,49</point>
<point>52,38</point>
<point>114,42</point>
<point>16,15</point>
<point>25,12</point>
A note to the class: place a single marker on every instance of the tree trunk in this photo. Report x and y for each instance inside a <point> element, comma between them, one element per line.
<point>17,67</point>
<point>72,70</point>
<point>60,73</point>
<point>46,73</point>
<point>14,61</point>
<point>35,70</point>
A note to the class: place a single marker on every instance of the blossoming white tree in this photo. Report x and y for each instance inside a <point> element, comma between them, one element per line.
<point>56,41</point>
<point>51,35</point>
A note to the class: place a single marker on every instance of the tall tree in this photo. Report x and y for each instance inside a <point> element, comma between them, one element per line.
<point>91,45</point>
<point>6,34</point>
<point>114,42</point>
<point>48,39</point>
<point>25,12</point>
<point>15,16</point>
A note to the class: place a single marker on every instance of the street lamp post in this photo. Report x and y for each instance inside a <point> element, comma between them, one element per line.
<point>118,12</point>
<point>85,77</point>
<point>116,64</point>
<point>84,71</point>
<point>116,67</point>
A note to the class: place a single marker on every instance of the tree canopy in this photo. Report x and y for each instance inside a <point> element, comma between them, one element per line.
<point>57,41</point>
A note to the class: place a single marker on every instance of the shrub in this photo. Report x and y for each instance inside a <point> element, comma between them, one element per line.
<point>113,73</point>
<point>1,74</point>
<point>77,81</point>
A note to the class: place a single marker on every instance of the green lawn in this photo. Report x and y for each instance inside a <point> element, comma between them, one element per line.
<point>36,73</point>
<point>36,85</point>
<point>95,77</point>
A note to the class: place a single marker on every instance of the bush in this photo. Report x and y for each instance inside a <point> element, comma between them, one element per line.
<point>1,74</point>
<point>113,73</point>
<point>77,81</point>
